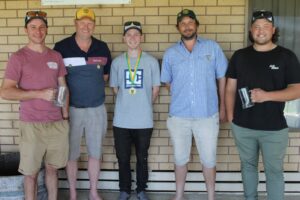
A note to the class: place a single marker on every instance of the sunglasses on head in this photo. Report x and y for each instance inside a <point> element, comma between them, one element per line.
<point>130,23</point>
<point>262,14</point>
<point>31,14</point>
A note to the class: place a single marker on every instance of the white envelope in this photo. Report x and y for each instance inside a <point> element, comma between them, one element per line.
<point>74,61</point>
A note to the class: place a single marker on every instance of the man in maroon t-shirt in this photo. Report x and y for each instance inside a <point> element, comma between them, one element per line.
<point>32,76</point>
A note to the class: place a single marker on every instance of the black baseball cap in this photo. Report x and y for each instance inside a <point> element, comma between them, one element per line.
<point>262,14</point>
<point>132,25</point>
<point>186,13</point>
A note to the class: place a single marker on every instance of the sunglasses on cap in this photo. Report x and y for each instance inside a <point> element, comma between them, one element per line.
<point>262,14</point>
<point>36,14</point>
<point>31,14</point>
<point>131,24</point>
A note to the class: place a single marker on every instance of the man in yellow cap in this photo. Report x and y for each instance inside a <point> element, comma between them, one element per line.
<point>88,64</point>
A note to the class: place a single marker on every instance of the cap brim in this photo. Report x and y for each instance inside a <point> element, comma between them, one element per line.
<point>132,28</point>
<point>269,20</point>
<point>91,18</point>
<point>37,17</point>
<point>179,19</point>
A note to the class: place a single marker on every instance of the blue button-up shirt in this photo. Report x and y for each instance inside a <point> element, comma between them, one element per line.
<point>192,76</point>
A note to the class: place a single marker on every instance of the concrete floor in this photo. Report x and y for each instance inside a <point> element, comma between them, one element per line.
<point>113,195</point>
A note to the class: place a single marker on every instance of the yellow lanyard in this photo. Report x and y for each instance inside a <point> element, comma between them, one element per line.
<point>132,75</point>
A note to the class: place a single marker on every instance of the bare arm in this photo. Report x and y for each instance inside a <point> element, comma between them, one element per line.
<point>291,92</point>
<point>155,92</point>
<point>168,86</point>
<point>221,92</point>
<point>105,77</point>
<point>10,91</point>
<point>115,90</point>
<point>230,93</point>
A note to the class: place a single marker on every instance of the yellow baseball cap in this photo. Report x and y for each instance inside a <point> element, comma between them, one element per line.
<point>85,12</point>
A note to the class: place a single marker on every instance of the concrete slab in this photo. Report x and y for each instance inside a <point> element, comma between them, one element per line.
<point>113,195</point>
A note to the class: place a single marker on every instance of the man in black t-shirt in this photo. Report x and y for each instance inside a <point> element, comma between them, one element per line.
<point>272,74</point>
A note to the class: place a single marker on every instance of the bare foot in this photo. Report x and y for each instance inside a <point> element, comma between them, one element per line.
<point>94,196</point>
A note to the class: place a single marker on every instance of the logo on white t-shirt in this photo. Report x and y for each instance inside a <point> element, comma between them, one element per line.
<point>52,65</point>
<point>138,79</point>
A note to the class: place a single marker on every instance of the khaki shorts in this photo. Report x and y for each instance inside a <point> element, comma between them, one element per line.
<point>40,141</point>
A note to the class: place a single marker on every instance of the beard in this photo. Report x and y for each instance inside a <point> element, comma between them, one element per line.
<point>189,37</point>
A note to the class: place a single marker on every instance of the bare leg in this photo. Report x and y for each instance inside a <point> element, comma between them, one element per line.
<point>30,186</point>
<point>180,174</point>
<point>210,178</point>
<point>51,182</point>
<point>94,171</point>
<point>72,168</point>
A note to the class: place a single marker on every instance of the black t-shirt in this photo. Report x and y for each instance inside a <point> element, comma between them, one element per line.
<point>272,70</point>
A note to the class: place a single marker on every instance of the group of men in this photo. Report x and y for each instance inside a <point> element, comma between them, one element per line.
<point>194,70</point>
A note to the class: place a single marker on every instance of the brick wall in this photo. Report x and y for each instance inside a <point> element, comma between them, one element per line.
<point>221,20</point>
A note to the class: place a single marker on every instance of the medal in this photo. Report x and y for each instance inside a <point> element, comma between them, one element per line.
<point>132,76</point>
<point>132,91</point>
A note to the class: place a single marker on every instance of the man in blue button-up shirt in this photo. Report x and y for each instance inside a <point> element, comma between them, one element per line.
<point>194,71</point>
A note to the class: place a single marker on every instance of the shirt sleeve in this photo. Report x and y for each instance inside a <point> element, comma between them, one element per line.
<point>165,70</point>
<point>113,77</point>
<point>231,70</point>
<point>109,60</point>
<point>292,69</point>
<point>155,73</point>
<point>221,62</point>
<point>13,68</point>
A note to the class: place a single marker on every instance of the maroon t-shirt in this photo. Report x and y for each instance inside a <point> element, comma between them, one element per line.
<point>34,71</point>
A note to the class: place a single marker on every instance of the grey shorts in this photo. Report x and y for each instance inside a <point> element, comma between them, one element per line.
<point>205,132</point>
<point>93,123</point>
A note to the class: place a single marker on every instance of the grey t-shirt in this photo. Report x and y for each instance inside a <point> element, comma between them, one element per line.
<point>134,111</point>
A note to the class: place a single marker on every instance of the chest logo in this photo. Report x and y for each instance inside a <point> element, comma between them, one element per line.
<point>273,67</point>
<point>52,65</point>
<point>99,61</point>
<point>138,79</point>
<point>208,57</point>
